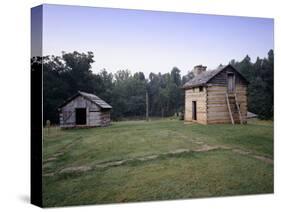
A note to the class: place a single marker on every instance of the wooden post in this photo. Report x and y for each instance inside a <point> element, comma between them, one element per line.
<point>238,108</point>
<point>229,109</point>
<point>147,108</point>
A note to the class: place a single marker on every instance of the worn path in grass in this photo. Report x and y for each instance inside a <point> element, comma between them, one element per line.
<point>164,159</point>
<point>106,164</point>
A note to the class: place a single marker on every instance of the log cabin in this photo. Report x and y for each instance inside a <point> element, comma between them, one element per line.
<point>84,110</point>
<point>216,97</point>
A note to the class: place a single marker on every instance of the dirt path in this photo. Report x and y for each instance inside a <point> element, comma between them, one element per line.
<point>202,147</point>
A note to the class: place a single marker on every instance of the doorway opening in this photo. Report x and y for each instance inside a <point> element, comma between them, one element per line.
<point>194,110</point>
<point>80,116</point>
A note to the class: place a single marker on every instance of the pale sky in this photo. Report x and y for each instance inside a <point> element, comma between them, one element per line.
<point>151,41</point>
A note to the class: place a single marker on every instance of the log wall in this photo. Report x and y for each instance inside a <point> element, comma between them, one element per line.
<point>217,110</point>
<point>200,98</point>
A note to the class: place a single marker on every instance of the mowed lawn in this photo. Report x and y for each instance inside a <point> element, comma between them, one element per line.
<point>240,162</point>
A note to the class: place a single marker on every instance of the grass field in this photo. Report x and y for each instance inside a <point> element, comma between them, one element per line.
<point>157,160</point>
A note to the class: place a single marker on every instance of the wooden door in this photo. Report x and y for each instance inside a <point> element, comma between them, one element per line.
<point>230,83</point>
<point>194,110</point>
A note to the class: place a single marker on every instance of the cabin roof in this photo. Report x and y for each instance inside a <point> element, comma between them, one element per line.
<point>89,96</point>
<point>205,77</point>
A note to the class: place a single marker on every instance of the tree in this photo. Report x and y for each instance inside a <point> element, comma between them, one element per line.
<point>176,77</point>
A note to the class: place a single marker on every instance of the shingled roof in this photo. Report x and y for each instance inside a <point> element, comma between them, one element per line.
<point>205,77</point>
<point>91,97</point>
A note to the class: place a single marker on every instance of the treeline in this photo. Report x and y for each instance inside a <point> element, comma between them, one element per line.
<point>64,75</point>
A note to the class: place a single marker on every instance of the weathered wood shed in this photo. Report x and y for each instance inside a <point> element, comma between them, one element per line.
<point>84,110</point>
<point>218,96</point>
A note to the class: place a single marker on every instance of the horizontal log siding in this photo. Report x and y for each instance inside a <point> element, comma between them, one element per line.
<point>94,118</point>
<point>221,78</point>
<point>217,110</point>
<point>200,98</point>
<point>105,118</point>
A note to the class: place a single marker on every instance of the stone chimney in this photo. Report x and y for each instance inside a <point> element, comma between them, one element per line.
<point>199,69</point>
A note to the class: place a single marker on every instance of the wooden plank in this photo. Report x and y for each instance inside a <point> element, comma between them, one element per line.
<point>238,108</point>
<point>219,122</point>
<point>223,118</point>
<point>196,94</point>
<point>222,95</point>
<point>216,101</point>
<point>216,88</point>
<point>216,96</point>
<point>223,99</point>
<point>213,105</point>
<point>229,109</point>
<point>217,109</point>
<point>220,88</point>
<point>235,118</point>
<point>196,98</point>
<point>212,115</point>
<point>221,113</point>
<point>240,93</point>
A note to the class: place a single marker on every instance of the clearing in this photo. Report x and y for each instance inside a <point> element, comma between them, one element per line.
<point>158,160</point>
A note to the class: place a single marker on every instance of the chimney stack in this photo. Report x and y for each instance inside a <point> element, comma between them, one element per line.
<point>199,69</point>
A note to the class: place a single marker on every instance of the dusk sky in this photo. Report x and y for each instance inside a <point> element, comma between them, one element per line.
<point>151,41</point>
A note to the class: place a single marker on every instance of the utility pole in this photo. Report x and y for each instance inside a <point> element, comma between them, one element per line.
<point>146,98</point>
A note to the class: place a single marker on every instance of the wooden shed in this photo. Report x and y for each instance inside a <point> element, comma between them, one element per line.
<point>84,110</point>
<point>218,96</point>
